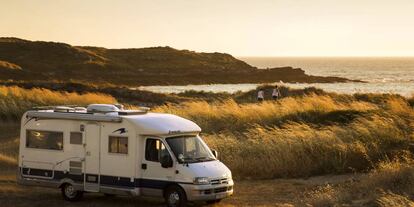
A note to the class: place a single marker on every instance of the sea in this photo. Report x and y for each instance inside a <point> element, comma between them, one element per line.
<point>380,75</point>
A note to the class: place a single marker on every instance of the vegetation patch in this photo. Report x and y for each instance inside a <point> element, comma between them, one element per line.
<point>389,184</point>
<point>14,101</point>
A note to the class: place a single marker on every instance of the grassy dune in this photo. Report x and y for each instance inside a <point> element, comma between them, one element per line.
<point>304,136</point>
<point>14,101</point>
<point>231,116</point>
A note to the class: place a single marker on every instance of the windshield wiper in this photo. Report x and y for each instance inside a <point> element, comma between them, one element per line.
<point>197,159</point>
<point>204,158</point>
<point>189,160</point>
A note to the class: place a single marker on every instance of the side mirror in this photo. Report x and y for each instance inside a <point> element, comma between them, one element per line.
<point>215,153</point>
<point>166,161</point>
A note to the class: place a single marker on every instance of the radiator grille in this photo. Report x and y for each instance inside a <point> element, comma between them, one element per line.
<point>219,181</point>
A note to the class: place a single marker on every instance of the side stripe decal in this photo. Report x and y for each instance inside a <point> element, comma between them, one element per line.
<point>106,180</point>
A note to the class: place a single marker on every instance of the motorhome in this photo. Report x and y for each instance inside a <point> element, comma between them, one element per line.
<point>104,148</point>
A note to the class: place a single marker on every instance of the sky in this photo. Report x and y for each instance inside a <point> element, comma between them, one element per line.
<point>238,27</point>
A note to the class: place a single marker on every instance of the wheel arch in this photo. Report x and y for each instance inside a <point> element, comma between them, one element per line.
<point>170,185</point>
<point>65,181</point>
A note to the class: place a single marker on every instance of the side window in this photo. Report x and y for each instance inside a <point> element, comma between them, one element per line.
<point>75,137</point>
<point>118,145</point>
<point>154,150</point>
<point>44,140</point>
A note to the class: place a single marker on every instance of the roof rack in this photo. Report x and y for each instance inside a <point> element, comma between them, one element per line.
<point>62,108</point>
<point>72,116</point>
<point>53,107</point>
<point>76,112</point>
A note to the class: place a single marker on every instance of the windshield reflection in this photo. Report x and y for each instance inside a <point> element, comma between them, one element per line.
<point>190,149</point>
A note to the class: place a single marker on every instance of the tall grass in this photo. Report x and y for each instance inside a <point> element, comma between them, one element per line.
<point>389,184</point>
<point>229,115</point>
<point>303,136</point>
<point>14,101</point>
<point>297,150</point>
<point>292,137</point>
<point>4,159</point>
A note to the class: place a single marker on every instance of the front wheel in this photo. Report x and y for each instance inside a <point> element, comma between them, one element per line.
<point>175,197</point>
<point>69,193</point>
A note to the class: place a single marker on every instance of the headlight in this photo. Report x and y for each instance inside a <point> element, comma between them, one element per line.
<point>229,176</point>
<point>201,181</point>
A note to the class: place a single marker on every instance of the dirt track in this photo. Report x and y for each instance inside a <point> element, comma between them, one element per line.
<point>279,192</point>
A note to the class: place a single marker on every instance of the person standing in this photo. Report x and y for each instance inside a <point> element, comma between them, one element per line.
<point>275,93</point>
<point>260,95</point>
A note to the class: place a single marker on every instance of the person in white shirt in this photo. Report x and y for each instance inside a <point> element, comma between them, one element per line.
<point>276,93</point>
<point>260,95</point>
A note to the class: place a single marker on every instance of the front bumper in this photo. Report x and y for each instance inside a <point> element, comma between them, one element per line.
<point>208,192</point>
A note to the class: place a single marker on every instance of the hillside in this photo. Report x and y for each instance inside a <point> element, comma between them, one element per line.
<point>37,60</point>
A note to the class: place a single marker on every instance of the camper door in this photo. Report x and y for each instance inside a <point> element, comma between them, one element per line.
<point>92,157</point>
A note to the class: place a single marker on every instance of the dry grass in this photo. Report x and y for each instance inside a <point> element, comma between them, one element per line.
<point>297,150</point>
<point>14,101</point>
<point>7,160</point>
<point>391,199</point>
<point>302,136</point>
<point>390,184</point>
<point>8,65</point>
<point>293,137</point>
<point>9,145</point>
<point>229,115</point>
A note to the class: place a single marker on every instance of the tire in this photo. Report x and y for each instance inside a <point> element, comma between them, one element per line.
<point>213,201</point>
<point>175,197</point>
<point>70,194</point>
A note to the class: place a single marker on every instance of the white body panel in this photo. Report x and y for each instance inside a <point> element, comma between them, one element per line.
<point>90,166</point>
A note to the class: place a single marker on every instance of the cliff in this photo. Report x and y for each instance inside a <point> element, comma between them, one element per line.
<point>25,60</point>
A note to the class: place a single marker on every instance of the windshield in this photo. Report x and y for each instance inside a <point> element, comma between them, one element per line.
<point>189,149</point>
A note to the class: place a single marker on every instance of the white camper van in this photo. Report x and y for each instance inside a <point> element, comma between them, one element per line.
<point>103,148</point>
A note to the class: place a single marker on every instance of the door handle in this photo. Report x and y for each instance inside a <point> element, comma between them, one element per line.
<point>144,166</point>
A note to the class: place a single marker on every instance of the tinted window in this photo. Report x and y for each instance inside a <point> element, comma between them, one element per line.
<point>76,138</point>
<point>118,145</point>
<point>44,140</point>
<point>154,150</point>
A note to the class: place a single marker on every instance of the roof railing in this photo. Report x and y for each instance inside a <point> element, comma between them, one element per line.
<point>53,107</point>
<point>81,109</point>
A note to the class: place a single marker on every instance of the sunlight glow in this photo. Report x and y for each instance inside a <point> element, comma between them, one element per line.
<point>241,28</point>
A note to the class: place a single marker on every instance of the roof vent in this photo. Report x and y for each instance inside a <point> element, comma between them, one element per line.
<point>80,109</point>
<point>101,108</point>
<point>63,109</point>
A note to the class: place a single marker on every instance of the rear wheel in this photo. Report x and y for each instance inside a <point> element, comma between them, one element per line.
<point>69,193</point>
<point>175,197</point>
